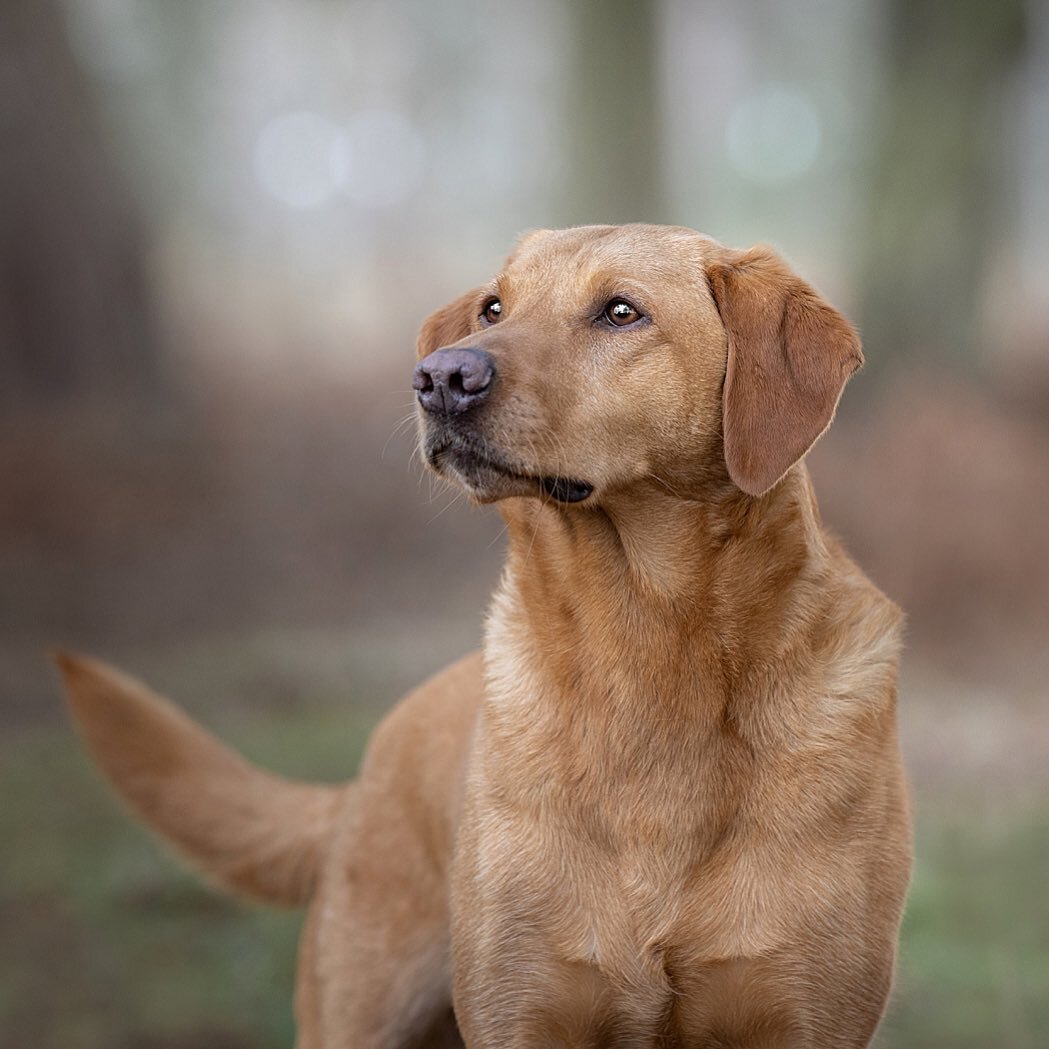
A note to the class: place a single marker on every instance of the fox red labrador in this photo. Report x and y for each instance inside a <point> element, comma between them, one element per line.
<point>665,805</point>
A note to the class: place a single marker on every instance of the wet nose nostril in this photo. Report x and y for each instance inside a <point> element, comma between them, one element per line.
<point>422,381</point>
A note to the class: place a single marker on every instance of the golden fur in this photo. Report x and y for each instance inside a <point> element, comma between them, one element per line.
<point>665,807</point>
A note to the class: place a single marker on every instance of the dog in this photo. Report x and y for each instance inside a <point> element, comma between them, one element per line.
<point>665,806</point>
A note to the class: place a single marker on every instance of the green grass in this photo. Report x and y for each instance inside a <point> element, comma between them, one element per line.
<point>974,958</point>
<point>107,943</point>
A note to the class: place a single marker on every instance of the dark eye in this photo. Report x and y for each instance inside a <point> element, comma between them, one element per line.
<point>620,313</point>
<point>493,310</point>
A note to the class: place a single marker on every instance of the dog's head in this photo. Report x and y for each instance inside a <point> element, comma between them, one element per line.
<point>605,356</point>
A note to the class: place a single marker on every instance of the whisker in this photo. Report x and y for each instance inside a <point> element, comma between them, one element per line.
<point>499,535</point>
<point>535,532</point>
<point>539,509</point>
<point>398,429</point>
<point>456,496</point>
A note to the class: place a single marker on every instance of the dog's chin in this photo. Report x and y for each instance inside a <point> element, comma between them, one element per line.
<point>487,477</point>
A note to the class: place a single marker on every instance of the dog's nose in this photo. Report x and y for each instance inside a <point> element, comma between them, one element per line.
<point>450,382</point>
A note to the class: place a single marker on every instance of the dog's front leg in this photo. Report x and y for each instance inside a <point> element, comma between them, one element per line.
<point>522,1003</point>
<point>523,975</point>
<point>375,971</point>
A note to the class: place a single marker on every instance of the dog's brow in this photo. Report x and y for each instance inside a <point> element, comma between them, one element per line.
<point>607,286</point>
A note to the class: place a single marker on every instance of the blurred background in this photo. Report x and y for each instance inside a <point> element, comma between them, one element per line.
<point>221,224</point>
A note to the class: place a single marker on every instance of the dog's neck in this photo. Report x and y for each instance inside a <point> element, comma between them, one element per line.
<point>616,630</point>
<point>707,582</point>
<point>666,551</point>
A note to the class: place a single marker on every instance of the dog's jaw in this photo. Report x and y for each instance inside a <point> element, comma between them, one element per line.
<point>488,476</point>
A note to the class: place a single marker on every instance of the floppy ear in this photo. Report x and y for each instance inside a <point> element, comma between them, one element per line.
<point>789,356</point>
<point>448,325</point>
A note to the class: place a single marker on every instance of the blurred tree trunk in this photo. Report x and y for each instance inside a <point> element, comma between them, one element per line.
<point>612,169</point>
<point>75,311</point>
<point>934,206</point>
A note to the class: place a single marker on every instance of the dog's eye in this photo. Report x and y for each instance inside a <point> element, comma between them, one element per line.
<point>620,313</point>
<point>493,310</point>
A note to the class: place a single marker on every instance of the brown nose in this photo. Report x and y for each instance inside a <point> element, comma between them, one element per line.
<point>450,382</point>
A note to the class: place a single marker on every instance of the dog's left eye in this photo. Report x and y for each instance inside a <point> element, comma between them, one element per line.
<point>620,313</point>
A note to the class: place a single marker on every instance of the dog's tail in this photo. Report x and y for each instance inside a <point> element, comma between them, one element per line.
<point>245,829</point>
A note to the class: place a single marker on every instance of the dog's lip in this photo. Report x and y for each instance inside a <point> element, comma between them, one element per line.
<point>566,490</point>
<point>488,475</point>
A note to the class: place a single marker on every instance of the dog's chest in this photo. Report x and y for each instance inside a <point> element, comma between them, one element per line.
<point>627,839</point>
<point>649,906</point>
<point>622,882</point>
<point>627,846</point>
<point>645,828</point>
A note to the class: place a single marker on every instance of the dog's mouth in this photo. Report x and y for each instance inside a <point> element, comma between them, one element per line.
<point>488,477</point>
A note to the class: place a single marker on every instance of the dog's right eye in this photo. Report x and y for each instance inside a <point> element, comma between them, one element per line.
<point>493,310</point>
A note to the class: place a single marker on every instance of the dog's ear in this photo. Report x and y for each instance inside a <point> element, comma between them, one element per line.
<point>448,325</point>
<point>789,356</point>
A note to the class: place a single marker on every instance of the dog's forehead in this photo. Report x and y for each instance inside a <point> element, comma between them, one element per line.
<point>585,252</point>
